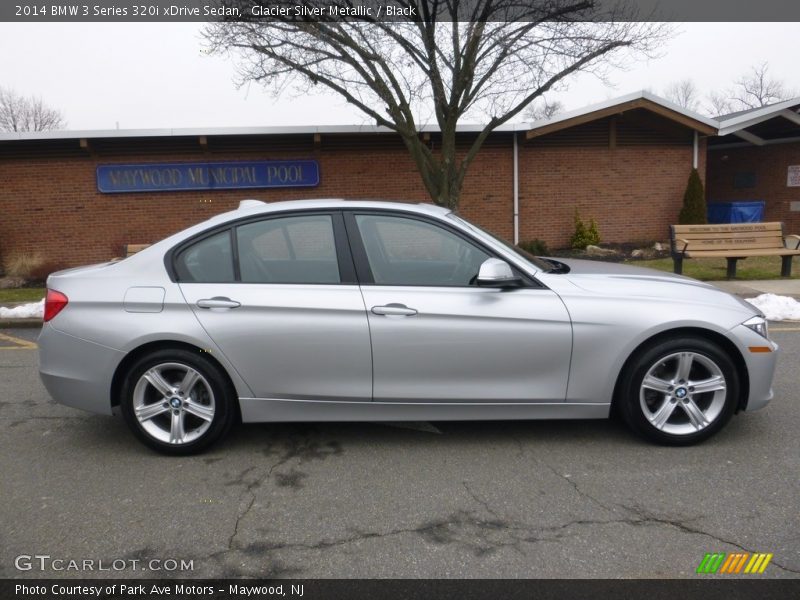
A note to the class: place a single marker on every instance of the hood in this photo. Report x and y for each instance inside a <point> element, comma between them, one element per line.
<point>615,279</point>
<point>588,271</point>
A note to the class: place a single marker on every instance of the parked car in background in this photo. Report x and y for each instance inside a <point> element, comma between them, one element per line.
<point>334,310</point>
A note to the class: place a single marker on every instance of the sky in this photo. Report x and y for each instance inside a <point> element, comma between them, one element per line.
<point>155,75</point>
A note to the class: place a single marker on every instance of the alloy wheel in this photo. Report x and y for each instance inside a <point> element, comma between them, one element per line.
<point>683,393</point>
<point>173,403</point>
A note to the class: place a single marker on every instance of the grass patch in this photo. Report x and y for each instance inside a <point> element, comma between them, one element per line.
<point>715,269</point>
<point>22,295</point>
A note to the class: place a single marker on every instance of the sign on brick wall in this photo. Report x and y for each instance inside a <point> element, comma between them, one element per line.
<point>793,176</point>
<point>229,175</point>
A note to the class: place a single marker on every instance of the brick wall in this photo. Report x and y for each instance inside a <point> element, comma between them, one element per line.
<point>51,206</point>
<point>768,164</point>
<point>634,192</point>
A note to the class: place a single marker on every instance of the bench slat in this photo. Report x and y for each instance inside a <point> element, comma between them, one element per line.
<point>134,248</point>
<point>732,245</point>
<point>737,254</point>
<point>727,228</point>
<point>712,236</point>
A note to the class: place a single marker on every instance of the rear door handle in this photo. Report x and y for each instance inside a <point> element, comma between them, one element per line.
<point>394,310</point>
<point>218,302</point>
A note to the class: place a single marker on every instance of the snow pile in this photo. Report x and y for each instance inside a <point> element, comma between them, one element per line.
<point>777,308</point>
<point>23,311</point>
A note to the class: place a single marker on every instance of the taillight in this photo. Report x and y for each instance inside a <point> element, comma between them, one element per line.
<point>54,303</point>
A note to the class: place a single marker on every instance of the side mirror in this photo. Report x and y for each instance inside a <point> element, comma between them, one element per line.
<point>497,273</point>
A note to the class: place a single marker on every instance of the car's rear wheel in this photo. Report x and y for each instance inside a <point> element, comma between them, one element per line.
<point>679,391</point>
<point>177,401</point>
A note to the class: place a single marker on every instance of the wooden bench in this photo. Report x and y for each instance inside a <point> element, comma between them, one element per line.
<point>131,249</point>
<point>733,242</point>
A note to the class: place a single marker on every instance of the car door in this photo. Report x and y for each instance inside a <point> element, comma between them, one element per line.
<point>436,335</point>
<point>279,297</point>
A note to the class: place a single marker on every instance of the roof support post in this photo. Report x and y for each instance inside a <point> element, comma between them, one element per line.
<point>516,189</point>
<point>695,149</point>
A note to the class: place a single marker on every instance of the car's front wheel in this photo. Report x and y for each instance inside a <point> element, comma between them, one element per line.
<point>679,391</point>
<point>177,401</point>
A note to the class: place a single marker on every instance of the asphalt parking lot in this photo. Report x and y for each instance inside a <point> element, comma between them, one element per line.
<point>488,499</point>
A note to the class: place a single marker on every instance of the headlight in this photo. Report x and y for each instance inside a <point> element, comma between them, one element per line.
<point>759,325</point>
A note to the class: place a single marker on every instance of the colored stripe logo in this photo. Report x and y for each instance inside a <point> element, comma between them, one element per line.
<point>734,563</point>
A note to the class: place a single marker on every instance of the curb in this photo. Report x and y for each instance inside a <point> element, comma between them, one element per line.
<point>20,323</point>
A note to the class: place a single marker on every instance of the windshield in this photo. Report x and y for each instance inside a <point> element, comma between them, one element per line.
<point>537,262</point>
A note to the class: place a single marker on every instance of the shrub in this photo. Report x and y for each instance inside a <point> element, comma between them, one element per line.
<point>535,246</point>
<point>21,265</point>
<point>584,235</point>
<point>694,202</point>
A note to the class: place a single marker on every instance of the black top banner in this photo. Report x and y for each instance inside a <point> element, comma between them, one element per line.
<point>133,11</point>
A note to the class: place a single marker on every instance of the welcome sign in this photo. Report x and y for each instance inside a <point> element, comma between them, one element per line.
<point>229,175</point>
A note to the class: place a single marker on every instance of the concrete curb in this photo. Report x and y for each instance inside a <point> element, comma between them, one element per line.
<point>20,323</point>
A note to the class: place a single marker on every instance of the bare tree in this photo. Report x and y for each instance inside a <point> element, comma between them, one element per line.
<point>541,109</point>
<point>683,93</point>
<point>719,103</point>
<point>752,90</point>
<point>757,89</point>
<point>487,59</point>
<point>27,113</point>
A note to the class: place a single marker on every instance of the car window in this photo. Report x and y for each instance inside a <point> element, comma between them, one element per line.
<point>208,261</point>
<point>288,250</point>
<point>406,251</point>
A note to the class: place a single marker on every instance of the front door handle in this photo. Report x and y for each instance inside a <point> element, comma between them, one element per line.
<point>218,302</point>
<point>394,310</point>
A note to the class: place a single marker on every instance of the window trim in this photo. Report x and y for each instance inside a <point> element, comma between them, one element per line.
<point>344,258</point>
<point>361,261</point>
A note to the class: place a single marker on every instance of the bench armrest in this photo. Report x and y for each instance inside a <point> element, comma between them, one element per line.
<point>795,239</point>
<point>681,241</point>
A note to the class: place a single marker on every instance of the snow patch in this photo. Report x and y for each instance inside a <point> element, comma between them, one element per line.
<point>777,308</point>
<point>23,311</point>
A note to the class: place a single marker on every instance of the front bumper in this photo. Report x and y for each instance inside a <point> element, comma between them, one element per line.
<point>760,366</point>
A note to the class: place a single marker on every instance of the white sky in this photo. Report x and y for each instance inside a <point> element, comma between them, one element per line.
<point>104,75</point>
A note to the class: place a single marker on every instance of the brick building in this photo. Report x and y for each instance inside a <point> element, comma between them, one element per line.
<point>624,162</point>
<point>756,156</point>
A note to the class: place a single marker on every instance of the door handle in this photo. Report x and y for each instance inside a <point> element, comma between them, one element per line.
<point>394,310</point>
<point>218,302</point>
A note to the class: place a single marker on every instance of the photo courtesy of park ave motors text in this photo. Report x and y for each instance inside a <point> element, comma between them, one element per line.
<point>503,291</point>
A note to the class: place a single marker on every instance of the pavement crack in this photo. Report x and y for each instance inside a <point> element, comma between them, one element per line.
<point>577,488</point>
<point>239,517</point>
<point>648,518</point>
<point>481,536</point>
<point>480,501</point>
<point>250,488</point>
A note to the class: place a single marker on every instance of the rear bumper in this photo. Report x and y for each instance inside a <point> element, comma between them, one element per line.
<point>77,372</point>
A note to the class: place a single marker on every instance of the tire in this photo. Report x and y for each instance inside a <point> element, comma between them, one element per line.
<point>177,402</point>
<point>661,400</point>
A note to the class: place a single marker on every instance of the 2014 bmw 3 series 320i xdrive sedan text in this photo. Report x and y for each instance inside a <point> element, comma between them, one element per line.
<point>332,310</point>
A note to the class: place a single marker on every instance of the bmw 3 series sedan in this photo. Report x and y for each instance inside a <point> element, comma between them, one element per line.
<point>332,310</point>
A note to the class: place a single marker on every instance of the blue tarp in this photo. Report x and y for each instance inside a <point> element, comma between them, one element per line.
<point>748,211</point>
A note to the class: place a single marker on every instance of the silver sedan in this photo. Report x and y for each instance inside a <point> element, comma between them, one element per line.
<point>328,310</point>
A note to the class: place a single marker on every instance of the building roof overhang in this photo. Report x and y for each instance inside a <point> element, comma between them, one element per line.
<point>777,123</point>
<point>642,99</point>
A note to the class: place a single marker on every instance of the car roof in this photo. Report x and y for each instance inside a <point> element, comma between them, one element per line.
<point>252,206</point>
